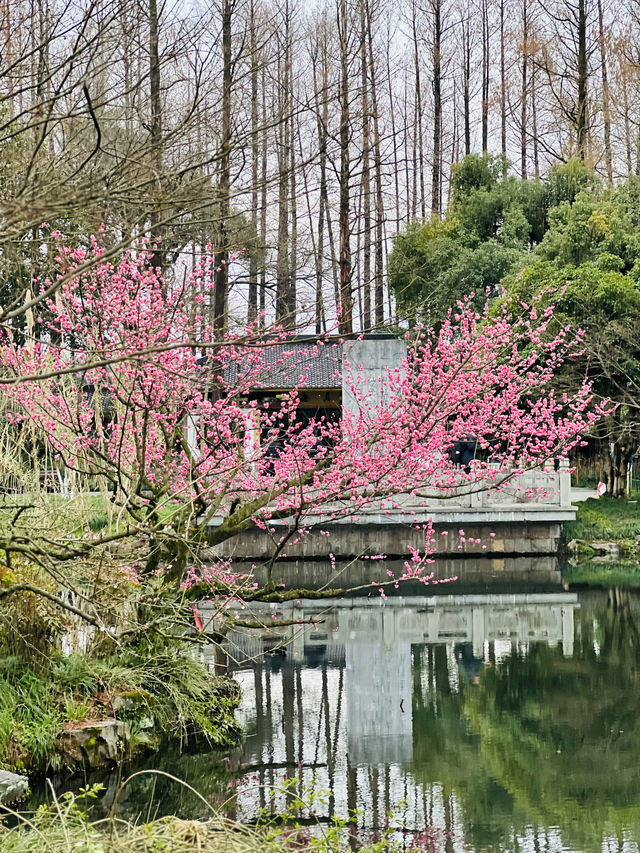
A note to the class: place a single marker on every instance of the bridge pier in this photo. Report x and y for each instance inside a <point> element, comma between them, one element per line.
<point>522,518</point>
<point>457,534</point>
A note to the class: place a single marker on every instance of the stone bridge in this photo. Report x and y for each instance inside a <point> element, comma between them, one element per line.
<point>524,517</point>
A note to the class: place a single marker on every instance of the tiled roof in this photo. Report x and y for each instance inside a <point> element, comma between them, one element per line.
<point>297,364</point>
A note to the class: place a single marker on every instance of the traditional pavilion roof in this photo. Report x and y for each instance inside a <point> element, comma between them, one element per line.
<point>297,364</point>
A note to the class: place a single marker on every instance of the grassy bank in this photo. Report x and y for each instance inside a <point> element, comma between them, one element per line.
<point>607,519</point>
<point>178,836</point>
<point>168,694</point>
<point>65,826</point>
<point>601,520</point>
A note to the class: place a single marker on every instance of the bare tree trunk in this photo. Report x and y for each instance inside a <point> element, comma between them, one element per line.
<point>455,136</point>
<point>406,151</point>
<point>357,266</point>
<point>396,168</point>
<point>283,269</point>
<point>322,122</point>
<point>128,87</point>
<point>627,124</point>
<point>534,123</point>
<point>582,125</point>
<point>377,160</point>
<point>606,113</point>
<point>466,84</point>
<point>503,89</point>
<point>282,259</point>
<point>419,134</point>
<point>366,176</point>
<point>407,159</point>
<point>317,245</point>
<point>252,306</point>
<point>155,130</point>
<point>436,173</point>
<point>455,144</point>
<point>441,169</point>
<point>221,256</point>
<point>414,159</point>
<point>485,74</point>
<point>345,324</point>
<point>293,258</point>
<point>322,152</point>
<point>263,208</point>
<point>523,96</point>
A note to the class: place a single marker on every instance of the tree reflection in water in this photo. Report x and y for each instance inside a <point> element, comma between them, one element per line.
<point>504,725</point>
<point>562,735</point>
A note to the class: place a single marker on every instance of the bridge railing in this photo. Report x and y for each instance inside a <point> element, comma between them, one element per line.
<point>535,486</point>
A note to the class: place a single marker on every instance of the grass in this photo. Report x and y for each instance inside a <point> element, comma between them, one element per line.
<point>164,690</point>
<point>606,519</point>
<point>65,826</point>
<point>29,720</point>
<point>169,693</point>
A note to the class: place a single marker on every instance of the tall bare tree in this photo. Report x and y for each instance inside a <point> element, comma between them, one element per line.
<point>436,169</point>
<point>345,323</point>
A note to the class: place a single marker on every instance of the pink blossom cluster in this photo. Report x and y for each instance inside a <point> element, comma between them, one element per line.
<point>125,365</point>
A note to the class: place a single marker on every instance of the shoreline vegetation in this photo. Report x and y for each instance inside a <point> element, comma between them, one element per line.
<point>66,825</point>
<point>603,543</point>
<point>83,713</point>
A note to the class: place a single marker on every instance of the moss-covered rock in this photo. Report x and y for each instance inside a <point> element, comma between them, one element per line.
<point>94,743</point>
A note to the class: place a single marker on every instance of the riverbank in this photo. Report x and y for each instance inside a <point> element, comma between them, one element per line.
<point>607,519</point>
<point>81,713</point>
<point>610,574</point>
<point>603,543</point>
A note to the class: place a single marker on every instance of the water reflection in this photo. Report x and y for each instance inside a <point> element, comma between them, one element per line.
<point>503,723</point>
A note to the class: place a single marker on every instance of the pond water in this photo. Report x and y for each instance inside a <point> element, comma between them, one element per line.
<point>506,721</point>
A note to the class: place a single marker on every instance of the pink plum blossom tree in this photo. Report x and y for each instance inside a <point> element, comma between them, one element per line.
<point>131,387</point>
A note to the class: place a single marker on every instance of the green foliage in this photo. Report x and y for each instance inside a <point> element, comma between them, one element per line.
<point>98,522</point>
<point>173,689</point>
<point>492,220</point>
<point>625,575</point>
<point>566,180</point>
<point>511,213</point>
<point>431,267</point>
<point>497,225</point>
<point>605,519</point>
<point>582,230</point>
<point>603,303</point>
<point>29,720</point>
<point>474,173</point>
<point>588,264</point>
<point>76,709</point>
<point>586,296</point>
<point>163,694</point>
<point>73,674</point>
